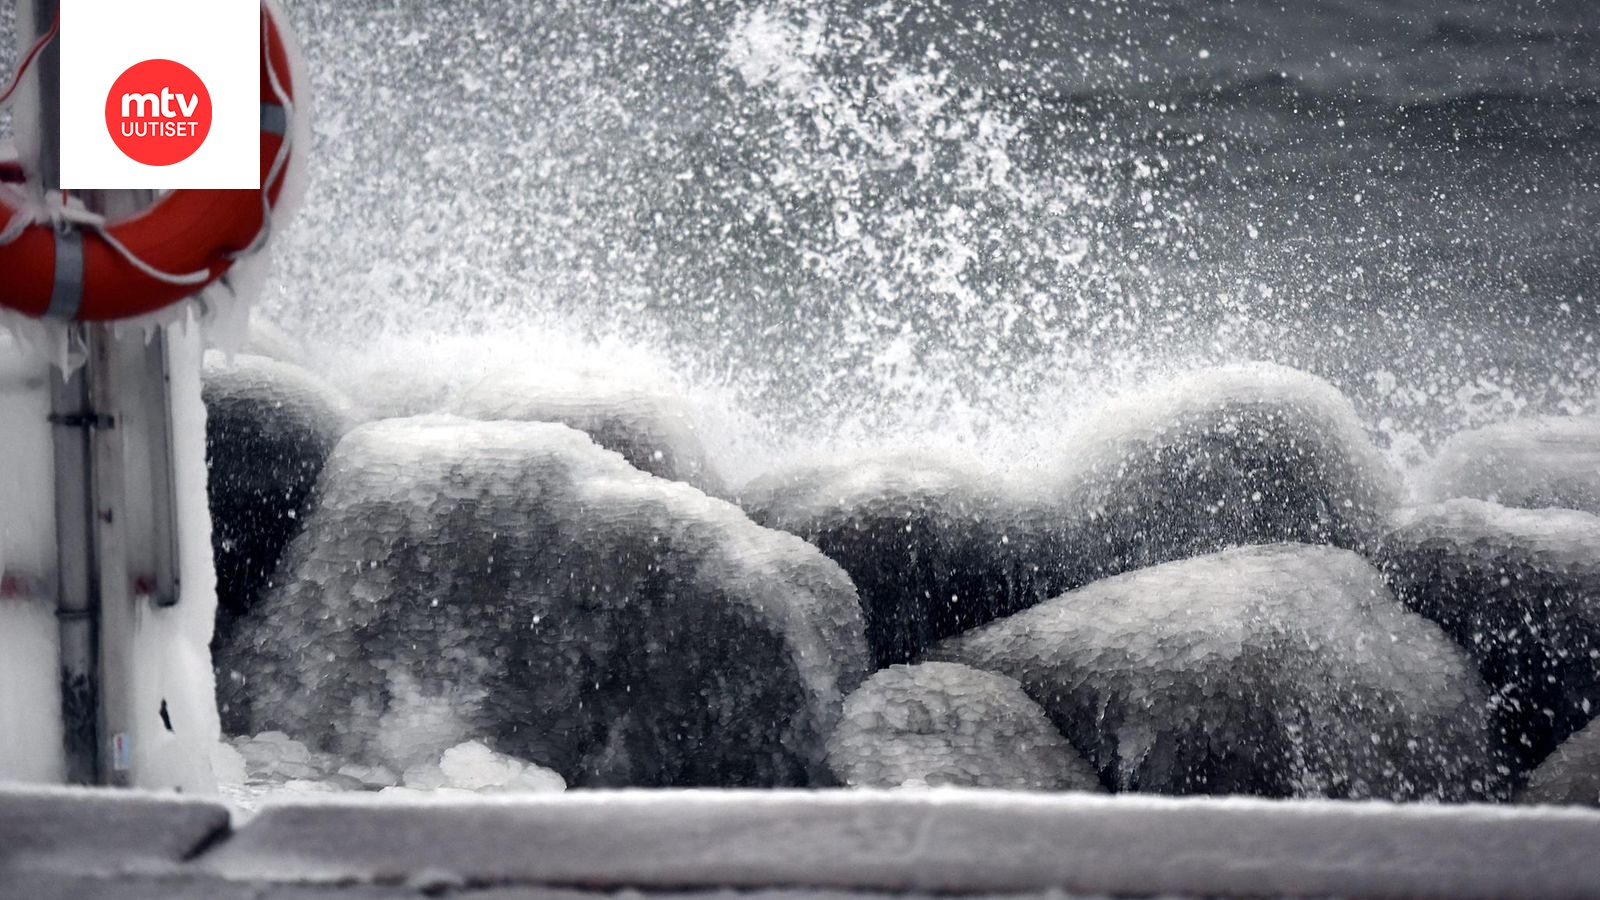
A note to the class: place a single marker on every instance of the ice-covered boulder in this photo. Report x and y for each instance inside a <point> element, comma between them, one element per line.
<point>651,425</point>
<point>513,583</point>
<point>269,427</point>
<point>939,724</point>
<point>935,545</point>
<point>1238,455</point>
<point>1283,670</point>
<point>1571,774</point>
<point>1519,589</point>
<point>1528,463</point>
<point>624,402</point>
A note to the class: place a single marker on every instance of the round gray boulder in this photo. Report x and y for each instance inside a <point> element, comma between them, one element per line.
<point>942,724</point>
<point>1248,454</point>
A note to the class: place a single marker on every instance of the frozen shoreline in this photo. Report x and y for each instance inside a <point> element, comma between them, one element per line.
<point>949,842</point>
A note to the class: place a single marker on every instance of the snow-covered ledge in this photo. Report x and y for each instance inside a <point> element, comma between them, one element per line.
<point>931,842</point>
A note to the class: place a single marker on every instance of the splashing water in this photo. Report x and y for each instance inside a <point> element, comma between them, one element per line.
<point>955,222</point>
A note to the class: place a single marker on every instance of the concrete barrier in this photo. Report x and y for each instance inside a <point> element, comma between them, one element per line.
<point>947,843</point>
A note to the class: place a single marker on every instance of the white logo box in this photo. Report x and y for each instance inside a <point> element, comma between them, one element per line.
<point>219,39</point>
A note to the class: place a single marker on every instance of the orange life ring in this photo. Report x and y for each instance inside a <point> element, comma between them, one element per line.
<point>76,274</point>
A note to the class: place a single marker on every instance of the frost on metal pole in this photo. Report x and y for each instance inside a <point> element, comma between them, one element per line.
<point>115,549</point>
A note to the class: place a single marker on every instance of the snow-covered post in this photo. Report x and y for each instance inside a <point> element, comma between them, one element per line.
<point>71,412</point>
<point>117,553</point>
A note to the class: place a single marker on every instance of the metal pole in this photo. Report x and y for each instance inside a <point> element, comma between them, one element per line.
<point>91,559</point>
<point>74,418</point>
<point>124,383</point>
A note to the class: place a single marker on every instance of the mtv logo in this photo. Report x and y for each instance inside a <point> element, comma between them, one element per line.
<point>160,94</point>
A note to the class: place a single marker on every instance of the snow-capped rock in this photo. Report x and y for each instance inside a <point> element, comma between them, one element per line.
<point>1246,454</point>
<point>650,425</point>
<point>934,545</point>
<point>1529,463</point>
<point>514,583</point>
<point>269,427</point>
<point>943,724</point>
<point>1283,670</point>
<point>1519,590</point>
<point>625,403</point>
<point>1571,774</point>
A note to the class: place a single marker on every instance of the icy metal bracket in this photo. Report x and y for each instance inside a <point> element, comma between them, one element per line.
<point>83,420</point>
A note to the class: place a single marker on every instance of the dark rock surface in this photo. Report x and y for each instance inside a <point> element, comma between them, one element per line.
<point>934,545</point>
<point>1570,775</point>
<point>1519,590</point>
<point>270,426</point>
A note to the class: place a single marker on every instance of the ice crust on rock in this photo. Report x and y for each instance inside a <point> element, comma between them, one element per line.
<point>1519,590</point>
<point>944,724</point>
<point>1237,455</point>
<point>935,545</point>
<point>652,427</point>
<point>1571,774</point>
<point>513,583</point>
<point>1529,463</point>
<point>625,403</point>
<point>270,425</point>
<point>1283,670</point>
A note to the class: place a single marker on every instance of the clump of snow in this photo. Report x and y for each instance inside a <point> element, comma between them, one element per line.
<point>942,724</point>
<point>936,544</point>
<point>250,769</point>
<point>473,767</point>
<point>553,601</point>
<point>274,755</point>
<point>1519,590</point>
<point>1530,463</point>
<point>1283,670</point>
<point>1236,455</point>
<point>1571,774</point>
